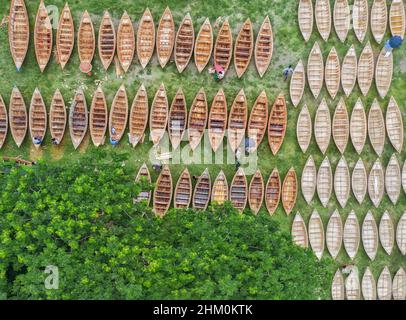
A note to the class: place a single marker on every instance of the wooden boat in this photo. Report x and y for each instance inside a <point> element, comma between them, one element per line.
<point>289,191</point>
<point>183,191</point>
<point>78,119</point>
<point>297,84</point>
<point>203,45</point>
<point>219,193</point>
<point>125,41</point>
<point>273,192</point>
<point>223,48</point>
<point>333,73</point>
<point>239,190</point>
<point>42,36</point>
<point>393,179</point>
<point>304,129</point>
<point>315,70</point>
<point>351,235</point>
<point>146,38</point>
<point>118,115</point>
<point>401,234</point>
<point>299,232</point>
<point>184,41</point>
<point>65,36</point>
<point>107,40</point>
<point>376,128</point>
<point>309,180</point>
<point>349,70</point>
<point>359,181</point>
<point>163,192</point>
<point>342,182</point>
<point>18,118</point>
<point>358,126</point>
<point>138,116</point>
<point>387,233</point>
<point>37,118</point>
<point>379,19</point>
<point>197,119</point>
<point>305,17</point>
<point>376,183</point>
<point>368,285</point>
<point>86,42</point>
<point>399,285</point>
<point>334,234</point>
<point>366,69</point>
<point>18,32</point>
<point>397,20</point>
<point>177,119</point>
<point>217,120</point>
<point>165,37</point>
<point>322,126</point>
<point>352,286</point>
<point>384,285</point>
<point>383,73</point>
<point>57,117</point>
<point>3,122</point>
<point>144,175</point>
<point>159,115</point>
<point>244,45</point>
<point>404,176</point>
<point>342,19</point>
<point>323,18</point>
<point>256,192</point>
<point>277,124</point>
<point>264,47</point>
<point>237,121</point>
<point>324,182</point>
<point>370,236</point>
<point>316,234</point>
<point>394,125</point>
<point>258,120</point>
<point>201,195</point>
<point>341,126</point>
<point>98,117</point>
<point>338,287</point>
<point>360,17</point>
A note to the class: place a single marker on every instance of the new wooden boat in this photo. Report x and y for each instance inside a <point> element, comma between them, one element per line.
<point>376,128</point>
<point>387,233</point>
<point>342,19</point>
<point>324,182</point>
<point>3,122</point>
<point>401,234</point>
<point>297,84</point>
<point>359,181</point>
<point>65,36</point>
<point>165,37</point>
<point>43,36</point>
<point>138,117</point>
<point>277,124</point>
<point>273,191</point>
<point>334,234</point>
<point>258,121</point>
<point>264,47</point>
<point>349,71</point>
<point>78,119</point>
<point>383,73</point>
<point>144,175</point>
<point>18,32</point>
<point>37,118</point>
<point>309,180</point>
<point>368,285</point>
<point>237,121</point>
<point>366,69</point>
<point>98,117</point>
<point>351,235</point>
<point>289,191</point>
<point>125,41</point>
<point>184,41</point>
<point>370,236</point>
<point>399,285</point>
<point>244,45</point>
<point>305,17</point>
<point>107,40</point>
<point>299,232</point>
<point>217,120</point>
<point>404,176</point>
<point>86,42</point>
<point>379,19</point>
<point>223,48</point>
<point>239,190</point>
<point>323,18</point>
<point>358,126</point>
<point>393,179</point>
<point>397,20</point>
<point>197,119</point>
<point>177,119</point>
<point>183,191</point>
<point>384,285</point>
<point>342,182</point>
<point>304,129</point>
<point>315,70</point>
<point>360,18</point>
<point>163,192</point>
<point>322,126</point>
<point>219,193</point>
<point>376,183</point>
<point>18,118</point>
<point>316,234</point>
<point>203,45</point>
<point>118,115</point>
<point>159,115</point>
<point>256,192</point>
<point>146,38</point>
<point>338,288</point>
<point>201,195</point>
<point>352,286</point>
<point>341,126</point>
<point>394,125</point>
<point>57,117</point>
<point>333,73</point>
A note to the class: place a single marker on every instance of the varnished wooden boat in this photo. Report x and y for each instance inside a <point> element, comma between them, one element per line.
<point>305,17</point>
<point>342,19</point>
<point>18,118</point>
<point>163,192</point>
<point>309,180</point>
<point>315,70</point>
<point>86,42</point>
<point>387,233</point>
<point>244,45</point>
<point>98,117</point>
<point>376,128</point>
<point>201,195</point>
<point>273,191</point>
<point>384,285</point>
<point>324,182</point>
<point>394,125</point>
<point>223,48</point>
<point>177,119</point>
<point>165,37</point>
<point>78,119</point>
<point>360,18</point>
<point>304,129</point>
<point>368,285</point>
<point>125,41</point>
<point>351,235</point>
<point>397,20</point>
<point>349,71</point>
<point>338,287</point>
<point>42,36</point>
<point>358,126</point>
<point>144,175</point>
<point>393,179</point>
<point>264,47</point>
<point>258,121</point>
<point>138,117</point>
<point>184,41</point>
<point>37,118</point>
<point>237,121</point>
<point>57,117</point>
<point>323,18</point>
<point>299,232</point>
<point>333,73</point>
<point>118,115</point>
<point>146,38</point>
<point>3,122</point>
<point>370,236</point>
<point>18,32</point>
<point>239,190</point>
<point>316,234</point>
<point>322,126</point>
<point>341,126</point>
<point>219,193</point>
<point>297,84</point>
<point>256,192</point>
<point>342,182</point>
<point>334,234</point>
<point>399,285</point>
<point>383,73</point>
<point>203,45</point>
<point>197,119</point>
<point>376,183</point>
<point>366,69</point>
<point>277,124</point>
<point>289,191</point>
<point>107,40</point>
<point>404,176</point>
<point>183,191</point>
<point>379,19</point>
<point>401,234</point>
<point>352,286</point>
<point>359,181</point>
<point>65,36</point>
<point>159,115</point>
<point>217,120</point>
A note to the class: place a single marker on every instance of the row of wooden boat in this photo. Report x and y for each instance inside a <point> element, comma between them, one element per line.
<point>357,127</point>
<point>361,17</point>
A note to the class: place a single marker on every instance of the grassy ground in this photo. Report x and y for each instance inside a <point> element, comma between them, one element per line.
<point>289,48</point>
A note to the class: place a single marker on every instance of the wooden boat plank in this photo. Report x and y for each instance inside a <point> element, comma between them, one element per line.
<point>338,287</point>
<point>201,194</point>
<point>376,183</point>
<point>86,40</point>
<point>383,73</point>
<point>304,129</point>
<point>65,36</point>
<point>352,286</point>
<point>401,234</point>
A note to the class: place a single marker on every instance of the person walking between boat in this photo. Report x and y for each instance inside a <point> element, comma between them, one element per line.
<point>113,140</point>
<point>392,43</point>
<point>218,72</point>
<point>287,72</point>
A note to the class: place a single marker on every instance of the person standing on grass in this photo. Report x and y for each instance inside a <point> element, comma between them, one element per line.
<point>392,43</point>
<point>287,72</point>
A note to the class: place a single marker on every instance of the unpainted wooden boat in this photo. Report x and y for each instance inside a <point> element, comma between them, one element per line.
<point>159,115</point>
<point>177,119</point>
<point>223,48</point>
<point>244,45</point>
<point>197,122</point>
<point>299,232</point>
<point>376,128</point>
<point>334,234</point>
<point>98,117</point>
<point>351,235</point>
<point>256,192</point>
<point>341,126</point>
<point>370,236</point>
<point>342,182</point>
<point>146,38</point>
<point>342,19</point>
<point>18,117</point>
<point>203,45</point>
<point>379,19</point>
<point>387,233</point>
<point>277,124</point>
<point>57,117</point>
<point>349,71</point>
<point>37,118</point>
<point>125,41</point>
<point>239,190</point>
<point>107,40</point>
<point>165,37</point>
<point>289,191</point>
<point>309,180</point>
<point>376,182</point>
<point>201,195</point>
<point>65,36</point>
<point>399,285</point>
<point>393,179</point>
<point>43,39</point>
<point>384,285</point>
<point>78,118</point>
<point>323,18</point>
<point>333,73</point>
<point>163,192</point>
<point>322,126</point>
<point>219,193</point>
<point>315,70</point>
<point>18,32</point>
<point>338,287</point>
<point>383,73</point>
<point>368,285</point>
<point>273,192</point>
<point>397,19</point>
<point>324,182</point>
<point>394,125</point>
<point>184,42</point>
<point>359,181</point>
<point>360,18</point>
<point>118,115</point>
<point>258,121</point>
<point>138,117</point>
<point>305,17</point>
<point>304,129</point>
<point>366,69</point>
<point>316,234</point>
<point>217,120</point>
<point>183,191</point>
<point>144,176</point>
<point>3,122</point>
<point>297,84</point>
<point>264,47</point>
<point>401,234</point>
<point>358,126</point>
<point>237,121</point>
<point>352,286</point>
<point>86,42</point>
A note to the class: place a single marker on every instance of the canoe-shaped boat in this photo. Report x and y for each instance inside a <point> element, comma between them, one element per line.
<point>360,18</point>
<point>138,116</point>
<point>273,191</point>
<point>244,45</point>
<point>333,73</point>
<point>78,119</point>
<point>323,18</point>
<point>18,32</point>
<point>393,179</point>
<point>376,183</point>
<point>264,47</point>
<point>203,45</point>
<point>258,121</point>
<point>368,285</point>
<point>125,41</point>
<point>342,19</point>
<point>370,235</point>
<point>383,73</point>
<point>399,285</point>
<point>401,234</point>
<point>289,191</point>
<point>239,190</point>
<point>57,117</point>
<point>65,36</point>
<point>366,69</point>
<point>3,122</point>
<point>387,233</point>
<point>37,118</point>
<point>338,287</point>
<point>379,19</point>
<point>183,191</point>
<point>165,37</point>
<point>349,70</point>
<point>146,38</point>
<point>341,126</point>
<point>223,48</point>
<point>359,181</point>
<point>201,195</point>
<point>159,115</point>
<point>144,175</point>
<point>107,40</point>
<point>404,177</point>
<point>352,235</point>
<point>86,42</point>
<point>237,121</point>
<point>118,115</point>
<point>297,84</point>
<point>309,180</point>
<point>358,126</point>
<point>98,117</point>
<point>304,129</point>
<point>219,193</point>
<point>256,192</point>
<point>376,128</point>
<point>334,234</point>
<point>163,192</point>
<point>43,37</point>
<point>217,120</point>
<point>316,234</point>
<point>397,20</point>
<point>352,286</point>
<point>299,232</point>
<point>184,41</point>
<point>342,182</point>
<point>394,125</point>
<point>324,182</point>
<point>322,126</point>
<point>177,119</point>
<point>315,70</point>
<point>277,124</point>
<point>197,122</point>
<point>305,17</point>
<point>384,285</point>
<point>18,117</point>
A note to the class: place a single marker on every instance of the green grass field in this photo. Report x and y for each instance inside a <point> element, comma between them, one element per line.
<point>289,48</point>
